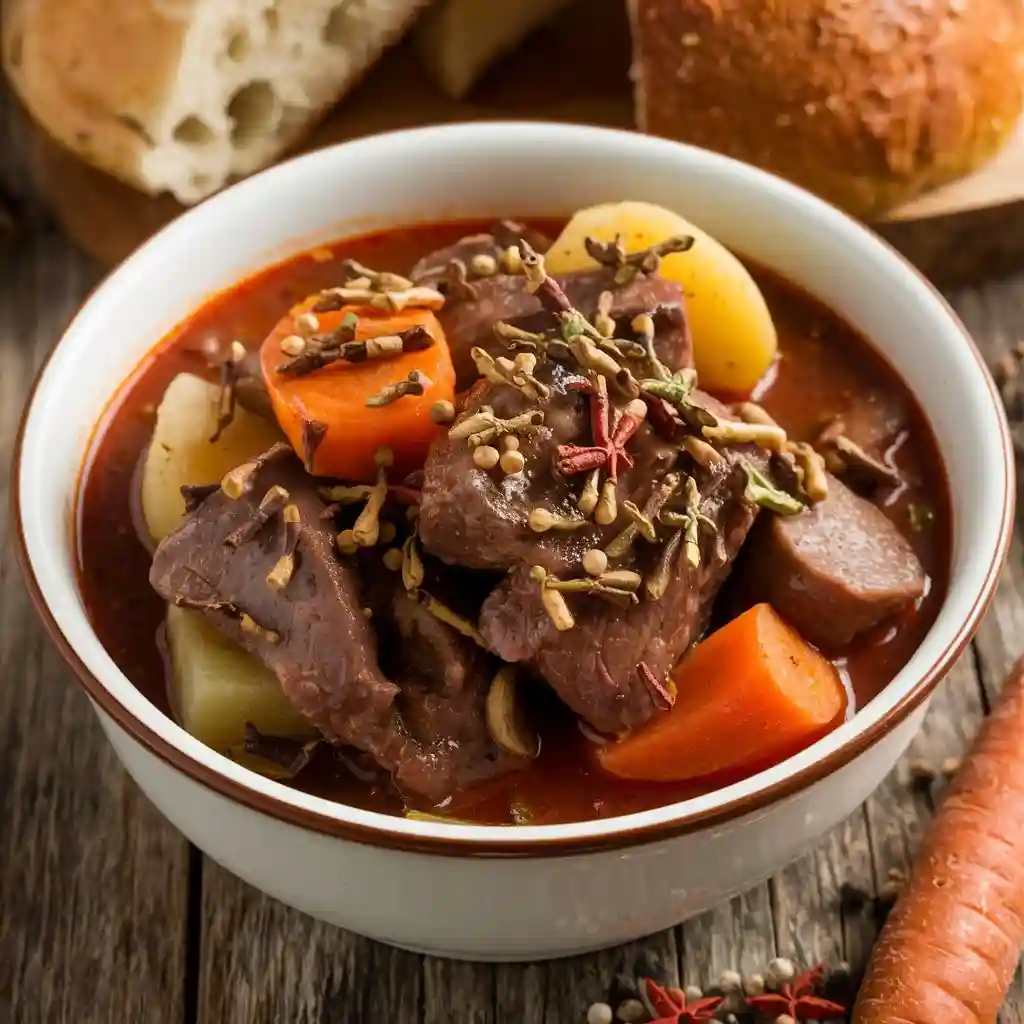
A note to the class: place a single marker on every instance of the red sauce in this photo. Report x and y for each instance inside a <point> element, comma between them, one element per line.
<point>824,364</point>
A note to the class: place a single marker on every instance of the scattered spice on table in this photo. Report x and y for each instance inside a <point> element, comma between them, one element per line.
<point>780,994</point>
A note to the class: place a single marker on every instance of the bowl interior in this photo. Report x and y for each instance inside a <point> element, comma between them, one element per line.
<point>514,169</point>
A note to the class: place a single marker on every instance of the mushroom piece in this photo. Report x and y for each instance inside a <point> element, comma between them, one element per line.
<point>505,718</point>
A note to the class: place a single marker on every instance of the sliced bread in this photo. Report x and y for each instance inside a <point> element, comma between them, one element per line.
<point>183,96</point>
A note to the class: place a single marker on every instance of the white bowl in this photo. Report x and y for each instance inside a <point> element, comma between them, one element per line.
<point>474,891</point>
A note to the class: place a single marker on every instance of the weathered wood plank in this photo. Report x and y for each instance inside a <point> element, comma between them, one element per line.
<point>263,963</point>
<point>995,316</point>
<point>737,936</point>
<point>92,882</point>
<point>561,991</point>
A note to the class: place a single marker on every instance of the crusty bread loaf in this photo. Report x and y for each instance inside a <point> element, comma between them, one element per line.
<point>458,40</point>
<point>866,102</point>
<point>184,95</point>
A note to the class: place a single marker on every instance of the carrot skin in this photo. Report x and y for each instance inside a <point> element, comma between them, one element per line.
<point>951,945</point>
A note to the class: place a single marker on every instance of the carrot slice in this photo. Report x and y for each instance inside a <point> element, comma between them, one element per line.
<point>336,395</point>
<point>748,696</point>
<point>952,943</point>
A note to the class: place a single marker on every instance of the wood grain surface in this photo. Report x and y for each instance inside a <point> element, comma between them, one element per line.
<point>107,917</point>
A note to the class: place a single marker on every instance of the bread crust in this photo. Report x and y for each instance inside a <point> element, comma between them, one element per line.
<point>866,102</point>
<point>99,75</point>
<point>91,71</point>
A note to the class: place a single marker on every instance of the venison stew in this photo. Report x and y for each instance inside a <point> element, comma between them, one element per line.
<point>513,523</point>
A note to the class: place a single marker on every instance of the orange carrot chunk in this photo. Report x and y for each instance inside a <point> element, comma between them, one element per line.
<point>952,943</point>
<point>750,695</point>
<point>336,395</point>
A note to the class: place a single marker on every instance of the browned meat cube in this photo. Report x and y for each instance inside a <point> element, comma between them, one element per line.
<point>835,570</point>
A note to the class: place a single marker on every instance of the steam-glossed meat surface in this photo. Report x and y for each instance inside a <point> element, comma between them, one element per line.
<point>480,518</point>
<point>313,633</point>
<point>835,570</point>
<point>593,667</point>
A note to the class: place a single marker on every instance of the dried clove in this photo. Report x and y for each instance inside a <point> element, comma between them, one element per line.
<point>415,384</point>
<point>628,266</point>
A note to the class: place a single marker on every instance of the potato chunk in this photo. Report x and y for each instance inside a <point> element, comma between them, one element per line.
<point>734,339</point>
<point>218,687</point>
<point>181,451</point>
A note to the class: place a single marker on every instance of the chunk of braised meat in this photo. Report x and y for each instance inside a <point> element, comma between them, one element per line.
<point>444,684</point>
<point>434,268</point>
<point>833,571</point>
<point>481,518</point>
<point>473,306</point>
<point>594,666</point>
<point>306,624</point>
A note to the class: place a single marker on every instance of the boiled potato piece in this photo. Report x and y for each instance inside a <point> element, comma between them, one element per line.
<point>181,452</point>
<point>218,687</point>
<point>734,339</point>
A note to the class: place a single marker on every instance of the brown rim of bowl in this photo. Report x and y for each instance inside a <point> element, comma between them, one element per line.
<point>450,846</point>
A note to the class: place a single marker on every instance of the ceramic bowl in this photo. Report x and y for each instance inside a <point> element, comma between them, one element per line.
<point>518,892</point>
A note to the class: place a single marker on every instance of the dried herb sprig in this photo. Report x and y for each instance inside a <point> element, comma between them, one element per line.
<point>444,614</point>
<point>690,521</point>
<point>416,383</point>
<point>759,490</point>
<point>392,300</point>
<point>280,576</point>
<point>517,373</point>
<point>553,600</point>
<point>341,346</point>
<point>657,582</point>
<point>810,470</point>
<point>270,505</point>
<point>678,392</point>
<point>483,427</point>
<point>618,586</point>
<point>764,435</point>
<point>413,572</point>
<point>230,373</point>
<point>656,500</point>
<point>628,265</point>
<point>366,530</point>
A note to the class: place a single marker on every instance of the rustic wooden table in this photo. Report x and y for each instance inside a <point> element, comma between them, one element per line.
<point>108,917</point>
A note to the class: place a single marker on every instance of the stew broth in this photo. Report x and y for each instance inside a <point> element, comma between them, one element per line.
<point>823,365</point>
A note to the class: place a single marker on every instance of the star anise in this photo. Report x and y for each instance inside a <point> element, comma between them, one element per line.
<point>609,447</point>
<point>672,1007</point>
<point>796,999</point>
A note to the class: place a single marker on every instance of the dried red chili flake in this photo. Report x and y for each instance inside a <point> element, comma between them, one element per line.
<point>662,696</point>
<point>672,1007</point>
<point>796,999</point>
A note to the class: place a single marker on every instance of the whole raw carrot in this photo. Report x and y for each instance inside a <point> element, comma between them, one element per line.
<point>951,945</point>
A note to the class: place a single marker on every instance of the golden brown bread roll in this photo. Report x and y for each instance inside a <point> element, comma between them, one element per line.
<point>866,102</point>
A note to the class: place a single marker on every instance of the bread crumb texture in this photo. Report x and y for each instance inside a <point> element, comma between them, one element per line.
<point>184,96</point>
<point>866,102</point>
